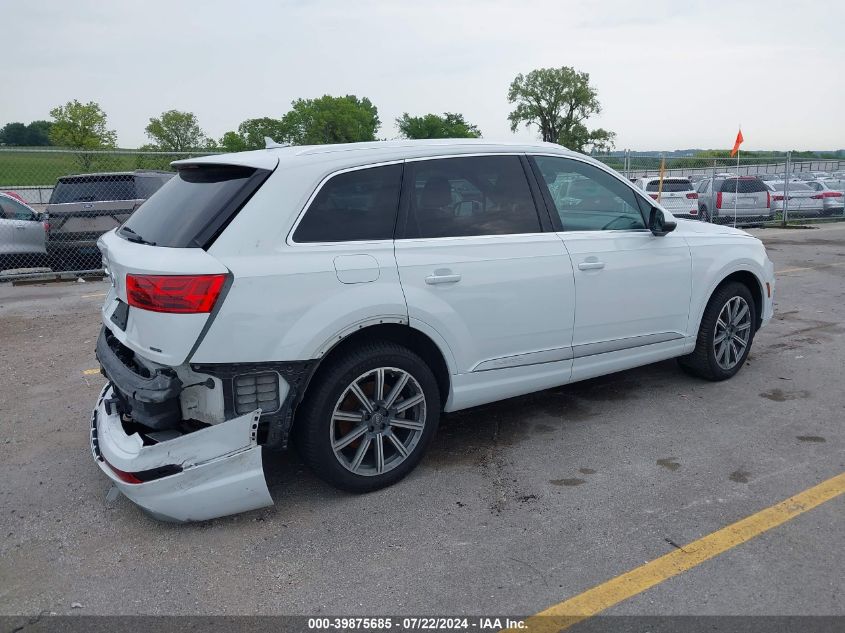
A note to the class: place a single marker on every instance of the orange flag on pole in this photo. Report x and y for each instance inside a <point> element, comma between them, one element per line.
<point>737,143</point>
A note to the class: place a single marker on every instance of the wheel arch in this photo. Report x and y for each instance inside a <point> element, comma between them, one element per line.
<point>401,334</point>
<point>755,287</point>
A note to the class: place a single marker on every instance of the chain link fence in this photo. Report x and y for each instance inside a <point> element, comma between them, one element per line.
<point>744,191</point>
<point>54,204</point>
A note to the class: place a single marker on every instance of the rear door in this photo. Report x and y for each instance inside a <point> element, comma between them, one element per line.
<point>749,196</point>
<point>476,267</point>
<point>20,229</point>
<point>168,237</point>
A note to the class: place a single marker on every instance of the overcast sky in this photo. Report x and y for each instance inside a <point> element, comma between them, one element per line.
<point>669,74</point>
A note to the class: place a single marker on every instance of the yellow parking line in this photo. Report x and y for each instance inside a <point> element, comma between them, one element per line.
<point>584,605</point>
<point>795,270</point>
<point>96,294</point>
<point>91,372</point>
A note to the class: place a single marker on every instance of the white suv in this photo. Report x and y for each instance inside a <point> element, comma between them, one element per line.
<point>344,296</point>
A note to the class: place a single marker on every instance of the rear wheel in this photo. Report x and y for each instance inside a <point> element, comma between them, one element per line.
<point>366,422</point>
<point>725,334</point>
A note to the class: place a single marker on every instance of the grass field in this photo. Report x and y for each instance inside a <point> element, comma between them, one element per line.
<point>20,168</point>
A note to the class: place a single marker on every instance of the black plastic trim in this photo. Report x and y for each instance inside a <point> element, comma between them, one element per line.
<point>274,428</point>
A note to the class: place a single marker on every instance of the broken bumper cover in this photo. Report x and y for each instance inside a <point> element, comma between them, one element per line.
<point>218,468</point>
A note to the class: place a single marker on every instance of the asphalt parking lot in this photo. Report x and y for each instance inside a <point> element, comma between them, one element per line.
<point>518,506</point>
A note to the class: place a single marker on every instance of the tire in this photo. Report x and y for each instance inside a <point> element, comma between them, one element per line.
<point>719,360</point>
<point>704,214</point>
<point>332,413</point>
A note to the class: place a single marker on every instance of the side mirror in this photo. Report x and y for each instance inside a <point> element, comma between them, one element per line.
<point>658,224</point>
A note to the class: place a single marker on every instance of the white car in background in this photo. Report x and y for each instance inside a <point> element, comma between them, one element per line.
<point>23,234</point>
<point>803,200</point>
<point>345,295</point>
<point>675,194</point>
<point>832,193</point>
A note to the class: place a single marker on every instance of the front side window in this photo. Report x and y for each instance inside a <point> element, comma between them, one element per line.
<point>588,198</point>
<point>474,195</point>
<point>14,210</point>
<point>352,206</point>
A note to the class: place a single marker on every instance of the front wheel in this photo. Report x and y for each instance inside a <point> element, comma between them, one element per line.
<point>366,422</point>
<point>725,334</point>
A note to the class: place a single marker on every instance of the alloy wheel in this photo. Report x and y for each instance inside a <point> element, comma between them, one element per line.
<point>732,332</point>
<point>378,421</point>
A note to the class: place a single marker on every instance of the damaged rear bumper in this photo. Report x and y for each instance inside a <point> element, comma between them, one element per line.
<point>212,472</point>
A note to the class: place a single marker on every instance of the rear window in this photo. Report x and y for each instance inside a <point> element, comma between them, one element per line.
<point>670,185</point>
<point>193,207</point>
<point>743,185</point>
<point>94,189</point>
<point>793,186</point>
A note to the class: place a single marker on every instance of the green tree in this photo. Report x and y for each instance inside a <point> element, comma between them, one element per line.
<point>38,133</point>
<point>176,131</point>
<point>558,101</point>
<point>82,127</point>
<point>449,125</point>
<point>18,134</point>
<point>251,133</point>
<point>13,134</point>
<point>330,119</point>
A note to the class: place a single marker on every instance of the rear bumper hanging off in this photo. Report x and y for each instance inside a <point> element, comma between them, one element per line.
<point>209,473</point>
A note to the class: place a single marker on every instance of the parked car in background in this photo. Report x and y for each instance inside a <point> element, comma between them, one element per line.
<point>745,197</point>
<point>83,207</point>
<point>345,296</point>
<point>803,201</point>
<point>833,194</point>
<point>676,194</point>
<point>23,234</point>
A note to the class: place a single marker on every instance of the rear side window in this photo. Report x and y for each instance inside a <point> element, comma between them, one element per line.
<point>480,195</point>
<point>670,185</point>
<point>193,207</point>
<point>98,188</point>
<point>743,185</point>
<point>353,206</point>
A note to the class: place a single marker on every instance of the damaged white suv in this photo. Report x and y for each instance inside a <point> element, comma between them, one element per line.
<point>344,296</point>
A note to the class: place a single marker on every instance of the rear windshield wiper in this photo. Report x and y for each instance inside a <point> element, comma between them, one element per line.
<point>134,237</point>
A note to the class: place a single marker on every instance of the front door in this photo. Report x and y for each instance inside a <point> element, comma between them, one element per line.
<point>632,288</point>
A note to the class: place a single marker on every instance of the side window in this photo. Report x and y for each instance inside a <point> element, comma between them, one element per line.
<point>355,205</point>
<point>13,210</point>
<point>588,198</point>
<point>479,195</point>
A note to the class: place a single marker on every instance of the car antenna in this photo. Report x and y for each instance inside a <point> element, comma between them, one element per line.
<point>270,143</point>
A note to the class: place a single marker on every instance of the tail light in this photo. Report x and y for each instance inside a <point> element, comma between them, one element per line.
<point>692,196</point>
<point>778,197</point>
<point>180,294</point>
<point>653,195</point>
<point>768,200</point>
<point>818,196</point>
<point>719,200</point>
<point>832,194</point>
<point>46,226</point>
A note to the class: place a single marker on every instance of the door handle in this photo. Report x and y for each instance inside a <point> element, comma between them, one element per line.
<point>442,279</point>
<point>20,227</point>
<point>590,265</point>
